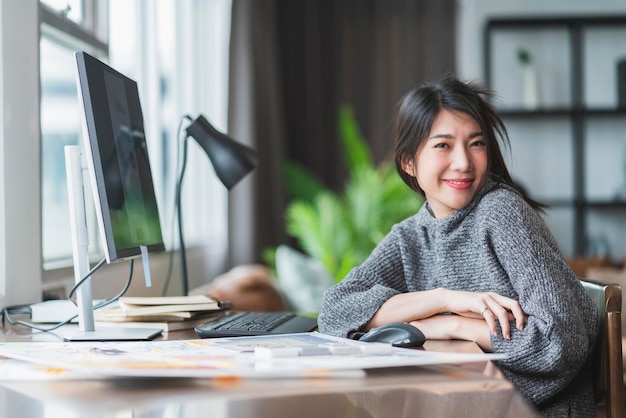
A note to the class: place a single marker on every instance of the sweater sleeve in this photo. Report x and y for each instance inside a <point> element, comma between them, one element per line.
<point>350,304</point>
<point>549,353</point>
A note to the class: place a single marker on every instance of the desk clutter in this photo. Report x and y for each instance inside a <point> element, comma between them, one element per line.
<point>169,313</point>
<point>172,312</point>
<point>289,355</point>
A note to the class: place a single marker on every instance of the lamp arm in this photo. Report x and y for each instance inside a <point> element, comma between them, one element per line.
<point>231,162</point>
<point>184,280</point>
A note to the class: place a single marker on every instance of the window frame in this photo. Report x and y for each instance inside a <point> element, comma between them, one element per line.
<point>91,35</point>
<point>207,256</point>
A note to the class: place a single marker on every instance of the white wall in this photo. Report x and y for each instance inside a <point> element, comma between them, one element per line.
<point>20,211</point>
<point>472,15</point>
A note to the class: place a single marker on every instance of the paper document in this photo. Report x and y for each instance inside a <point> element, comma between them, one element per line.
<point>252,357</point>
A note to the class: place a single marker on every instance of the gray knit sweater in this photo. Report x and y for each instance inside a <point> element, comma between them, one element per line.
<point>497,243</point>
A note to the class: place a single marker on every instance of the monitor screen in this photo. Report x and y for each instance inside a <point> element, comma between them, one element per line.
<point>117,157</point>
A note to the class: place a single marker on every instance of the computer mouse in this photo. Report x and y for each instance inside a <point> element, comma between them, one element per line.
<point>398,334</point>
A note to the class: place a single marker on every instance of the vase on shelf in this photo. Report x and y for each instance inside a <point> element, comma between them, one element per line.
<point>531,87</point>
<point>530,82</point>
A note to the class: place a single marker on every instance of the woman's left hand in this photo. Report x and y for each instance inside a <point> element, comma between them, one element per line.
<point>455,327</point>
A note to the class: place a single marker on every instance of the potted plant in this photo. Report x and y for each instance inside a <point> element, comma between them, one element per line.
<point>337,231</point>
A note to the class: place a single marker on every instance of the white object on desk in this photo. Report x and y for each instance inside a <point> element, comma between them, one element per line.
<point>54,311</point>
<point>264,353</point>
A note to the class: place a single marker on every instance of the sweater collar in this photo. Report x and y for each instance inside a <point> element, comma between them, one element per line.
<point>427,215</point>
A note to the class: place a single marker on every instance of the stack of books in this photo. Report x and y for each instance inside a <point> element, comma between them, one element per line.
<point>171,313</point>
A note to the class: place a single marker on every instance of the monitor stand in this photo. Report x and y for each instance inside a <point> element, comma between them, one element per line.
<point>80,245</point>
<point>118,334</point>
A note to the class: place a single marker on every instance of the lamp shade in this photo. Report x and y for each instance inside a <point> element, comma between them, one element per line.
<point>231,160</point>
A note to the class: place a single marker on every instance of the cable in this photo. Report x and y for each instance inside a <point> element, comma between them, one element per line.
<point>181,240</point>
<point>6,313</point>
<point>115,298</point>
<point>25,309</point>
<point>176,211</point>
<point>88,275</point>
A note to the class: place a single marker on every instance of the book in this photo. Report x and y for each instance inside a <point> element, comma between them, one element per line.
<point>167,325</point>
<point>168,300</point>
<point>163,311</point>
<point>167,305</point>
<point>118,314</point>
<point>169,313</point>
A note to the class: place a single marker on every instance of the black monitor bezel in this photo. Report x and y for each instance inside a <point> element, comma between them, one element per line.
<point>97,121</point>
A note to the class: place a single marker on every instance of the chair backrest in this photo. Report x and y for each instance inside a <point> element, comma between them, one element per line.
<point>608,371</point>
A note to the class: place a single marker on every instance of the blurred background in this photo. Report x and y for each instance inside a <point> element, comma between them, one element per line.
<point>276,74</point>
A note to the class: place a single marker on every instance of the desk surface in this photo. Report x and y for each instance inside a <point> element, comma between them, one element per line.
<point>467,390</point>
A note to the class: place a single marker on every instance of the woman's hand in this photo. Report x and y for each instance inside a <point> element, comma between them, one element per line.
<point>487,305</point>
<point>455,327</point>
<point>484,306</point>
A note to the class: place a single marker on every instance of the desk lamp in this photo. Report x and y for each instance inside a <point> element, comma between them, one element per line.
<point>231,162</point>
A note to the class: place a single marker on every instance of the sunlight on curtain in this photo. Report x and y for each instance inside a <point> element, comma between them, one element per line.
<point>177,51</point>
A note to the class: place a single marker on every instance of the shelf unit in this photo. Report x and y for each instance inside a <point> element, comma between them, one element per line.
<point>557,83</point>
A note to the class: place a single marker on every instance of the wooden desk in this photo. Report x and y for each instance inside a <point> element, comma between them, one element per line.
<point>469,390</point>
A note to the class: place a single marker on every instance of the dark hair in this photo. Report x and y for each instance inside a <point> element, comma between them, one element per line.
<point>419,108</point>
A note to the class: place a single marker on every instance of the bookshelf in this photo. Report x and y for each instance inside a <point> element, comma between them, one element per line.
<point>558,84</point>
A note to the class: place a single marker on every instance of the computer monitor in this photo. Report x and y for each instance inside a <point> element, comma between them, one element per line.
<point>115,149</point>
<point>117,157</point>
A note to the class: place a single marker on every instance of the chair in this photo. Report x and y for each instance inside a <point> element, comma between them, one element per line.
<point>608,371</point>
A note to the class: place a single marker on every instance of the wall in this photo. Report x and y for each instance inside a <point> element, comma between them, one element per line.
<point>20,242</point>
<point>472,15</point>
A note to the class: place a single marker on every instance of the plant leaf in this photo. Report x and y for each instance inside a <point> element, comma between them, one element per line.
<point>356,151</point>
<point>301,184</point>
<point>319,228</point>
<point>341,231</point>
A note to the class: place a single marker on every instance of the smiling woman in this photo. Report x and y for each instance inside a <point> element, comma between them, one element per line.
<point>477,261</point>
<point>452,164</point>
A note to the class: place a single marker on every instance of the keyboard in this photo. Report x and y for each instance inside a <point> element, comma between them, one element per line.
<point>241,324</point>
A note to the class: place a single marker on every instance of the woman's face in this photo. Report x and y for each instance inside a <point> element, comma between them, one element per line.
<point>451,164</point>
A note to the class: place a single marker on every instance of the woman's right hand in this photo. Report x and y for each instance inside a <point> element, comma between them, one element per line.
<point>487,305</point>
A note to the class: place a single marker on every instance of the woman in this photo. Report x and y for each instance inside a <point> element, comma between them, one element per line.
<point>476,262</point>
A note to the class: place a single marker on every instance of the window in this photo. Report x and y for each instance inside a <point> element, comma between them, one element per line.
<point>64,29</point>
<point>177,51</point>
<point>71,9</point>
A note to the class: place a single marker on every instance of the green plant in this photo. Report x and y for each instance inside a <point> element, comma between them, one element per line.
<point>341,230</point>
<point>523,56</point>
